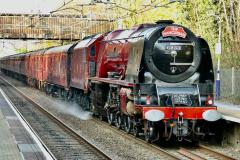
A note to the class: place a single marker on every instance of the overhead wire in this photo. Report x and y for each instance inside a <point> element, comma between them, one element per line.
<point>147,9</point>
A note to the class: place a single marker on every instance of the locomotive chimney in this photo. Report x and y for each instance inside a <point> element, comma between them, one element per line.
<point>165,22</point>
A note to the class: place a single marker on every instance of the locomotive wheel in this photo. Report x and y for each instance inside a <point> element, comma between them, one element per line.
<point>63,95</point>
<point>69,95</point>
<point>100,116</point>
<point>148,137</point>
<point>85,103</point>
<point>118,121</point>
<point>136,129</point>
<point>110,117</point>
<point>80,101</point>
<point>150,132</point>
<point>91,108</point>
<point>59,91</point>
<point>48,89</point>
<point>128,124</point>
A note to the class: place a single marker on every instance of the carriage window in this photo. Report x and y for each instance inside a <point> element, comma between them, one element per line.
<point>92,52</point>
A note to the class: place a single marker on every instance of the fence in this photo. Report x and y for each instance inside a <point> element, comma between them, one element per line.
<point>230,85</point>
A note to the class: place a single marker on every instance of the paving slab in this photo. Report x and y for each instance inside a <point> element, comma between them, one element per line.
<point>230,112</point>
<point>15,141</point>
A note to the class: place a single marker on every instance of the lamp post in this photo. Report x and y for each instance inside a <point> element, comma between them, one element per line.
<point>218,52</point>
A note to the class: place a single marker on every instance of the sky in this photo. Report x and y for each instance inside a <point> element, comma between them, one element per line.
<point>29,6</point>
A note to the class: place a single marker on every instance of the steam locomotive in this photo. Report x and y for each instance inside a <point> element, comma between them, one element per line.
<point>154,80</point>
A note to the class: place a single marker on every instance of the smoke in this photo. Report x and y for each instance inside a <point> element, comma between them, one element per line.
<point>71,109</point>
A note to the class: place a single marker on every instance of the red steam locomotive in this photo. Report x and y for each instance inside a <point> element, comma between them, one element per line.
<point>153,79</point>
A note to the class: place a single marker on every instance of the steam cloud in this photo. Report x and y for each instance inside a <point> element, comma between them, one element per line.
<point>72,109</point>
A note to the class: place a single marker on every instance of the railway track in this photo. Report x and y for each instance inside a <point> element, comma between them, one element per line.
<point>198,152</point>
<point>165,154</point>
<point>62,141</point>
<point>202,152</point>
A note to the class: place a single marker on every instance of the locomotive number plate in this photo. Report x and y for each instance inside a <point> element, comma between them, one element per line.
<point>182,99</point>
<point>173,48</point>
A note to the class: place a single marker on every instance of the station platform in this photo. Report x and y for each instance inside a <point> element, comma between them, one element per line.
<point>229,112</point>
<point>15,141</point>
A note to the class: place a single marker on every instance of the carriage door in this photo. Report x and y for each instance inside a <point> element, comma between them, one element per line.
<point>92,63</point>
